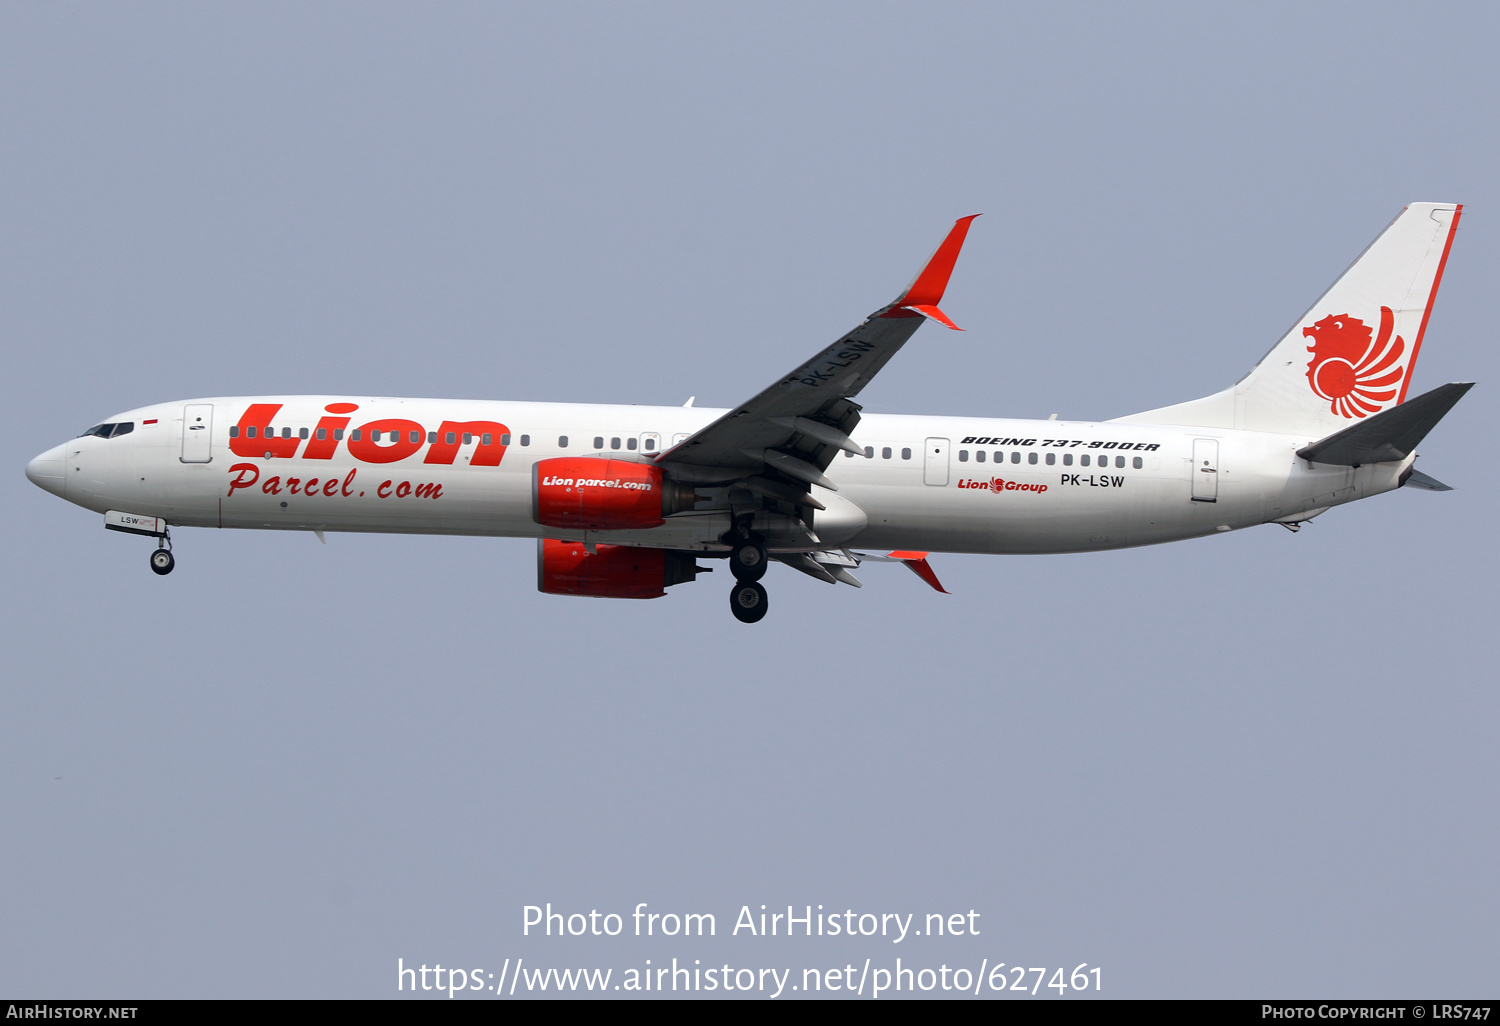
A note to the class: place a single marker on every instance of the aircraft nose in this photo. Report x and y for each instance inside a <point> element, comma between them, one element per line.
<point>46,471</point>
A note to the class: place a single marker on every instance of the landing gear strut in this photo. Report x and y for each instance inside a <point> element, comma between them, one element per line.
<point>748,562</point>
<point>748,601</point>
<point>161,560</point>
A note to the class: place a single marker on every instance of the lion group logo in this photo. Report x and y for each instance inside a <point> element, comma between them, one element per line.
<point>999,484</point>
<point>1356,375</point>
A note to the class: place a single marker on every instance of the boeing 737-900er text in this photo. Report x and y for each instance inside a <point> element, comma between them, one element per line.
<point>625,500</point>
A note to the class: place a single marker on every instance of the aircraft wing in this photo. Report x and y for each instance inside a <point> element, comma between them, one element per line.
<point>794,428</point>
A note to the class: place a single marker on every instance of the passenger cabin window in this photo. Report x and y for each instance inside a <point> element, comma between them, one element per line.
<point>869,452</point>
<point>250,431</point>
<point>234,431</point>
<point>354,435</point>
<point>413,437</point>
<point>598,441</point>
<point>1083,460</point>
<point>302,432</point>
<point>1120,462</point>
<point>848,454</point>
<point>505,438</point>
<point>1137,463</point>
<point>562,441</point>
<point>978,455</point>
<point>484,439</point>
<point>338,434</point>
<point>322,434</point>
<point>450,437</point>
<point>1051,458</point>
<point>1031,458</point>
<point>650,444</point>
<point>1015,457</point>
<point>1067,459</point>
<point>906,454</point>
<point>286,432</point>
<point>614,443</point>
<point>468,438</point>
<point>431,438</point>
<point>885,453</point>
<point>630,443</point>
<point>525,439</point>
<point>963,455</point>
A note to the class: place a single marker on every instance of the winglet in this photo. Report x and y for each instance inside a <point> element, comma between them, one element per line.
<point>926,290</point>
<point>916,562</point>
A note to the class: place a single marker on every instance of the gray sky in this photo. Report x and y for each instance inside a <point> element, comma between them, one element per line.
<point>1260,764</point>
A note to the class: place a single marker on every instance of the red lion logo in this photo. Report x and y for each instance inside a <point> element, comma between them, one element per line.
<point>1356,376</point>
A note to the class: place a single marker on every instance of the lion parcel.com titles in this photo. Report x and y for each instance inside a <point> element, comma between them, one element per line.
<point>760,976</point>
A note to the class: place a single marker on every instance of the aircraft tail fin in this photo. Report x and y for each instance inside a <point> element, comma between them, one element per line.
<point>1389,436</point>
<point>1351,355</point>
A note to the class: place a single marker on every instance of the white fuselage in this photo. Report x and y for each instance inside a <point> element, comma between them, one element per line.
<point>944,484</point>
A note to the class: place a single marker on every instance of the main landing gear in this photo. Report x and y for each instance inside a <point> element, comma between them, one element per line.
<point>748,562</point>
<point>161,560</point>
<point>748,600</point>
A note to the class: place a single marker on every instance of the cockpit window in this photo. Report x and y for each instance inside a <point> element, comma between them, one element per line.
<point>110,430</point>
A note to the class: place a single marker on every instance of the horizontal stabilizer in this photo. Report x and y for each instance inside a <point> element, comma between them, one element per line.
<point>1388,436</point>
<point>1417,479</point>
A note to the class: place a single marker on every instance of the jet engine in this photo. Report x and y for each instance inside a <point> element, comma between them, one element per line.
<point>611,571</point>
<point>590,494</point>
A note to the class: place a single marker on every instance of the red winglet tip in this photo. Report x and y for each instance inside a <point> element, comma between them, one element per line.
<point>928,287</point>
<point>917,563</point>
<point>935,314</point>
<point>922,569</point>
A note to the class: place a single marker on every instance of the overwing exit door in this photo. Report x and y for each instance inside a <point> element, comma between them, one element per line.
<point>935,462</point>
<point>1205,470</point>
<point>197,432</point>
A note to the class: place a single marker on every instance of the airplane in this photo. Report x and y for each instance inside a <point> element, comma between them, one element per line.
<point>624,500</point>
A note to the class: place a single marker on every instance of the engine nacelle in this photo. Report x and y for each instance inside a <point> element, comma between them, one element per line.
<point>611,571</point>
<point>585,493</point>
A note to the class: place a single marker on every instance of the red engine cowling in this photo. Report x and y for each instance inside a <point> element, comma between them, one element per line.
<point>612,571</point>
<point>589,494</point>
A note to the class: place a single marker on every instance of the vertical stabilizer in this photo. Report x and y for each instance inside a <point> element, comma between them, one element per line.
<point>1351,355</point>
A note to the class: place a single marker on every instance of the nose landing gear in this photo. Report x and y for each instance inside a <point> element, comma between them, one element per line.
<point>161,560</point>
